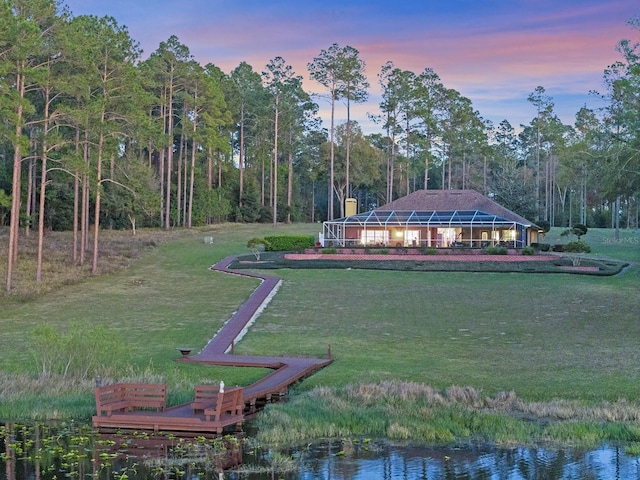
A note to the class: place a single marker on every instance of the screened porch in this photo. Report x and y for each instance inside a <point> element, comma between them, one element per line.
<point>439,229</point>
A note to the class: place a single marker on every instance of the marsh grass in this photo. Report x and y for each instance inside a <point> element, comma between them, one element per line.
<point>413,411</point>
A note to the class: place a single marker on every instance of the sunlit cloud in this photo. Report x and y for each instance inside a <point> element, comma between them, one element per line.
<point>494,53</point>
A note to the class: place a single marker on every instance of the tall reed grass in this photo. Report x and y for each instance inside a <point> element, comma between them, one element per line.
<point>404,411</point>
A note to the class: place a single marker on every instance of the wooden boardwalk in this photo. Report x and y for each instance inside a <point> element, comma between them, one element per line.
<point>219,351</point>
<point>287,370</point>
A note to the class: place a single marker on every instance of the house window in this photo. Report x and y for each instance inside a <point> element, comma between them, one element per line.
<point>412,237</point>
<point>374,237</point>
<point>448,236</point>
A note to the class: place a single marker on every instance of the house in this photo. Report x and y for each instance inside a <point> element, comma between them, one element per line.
<point>433,218</point>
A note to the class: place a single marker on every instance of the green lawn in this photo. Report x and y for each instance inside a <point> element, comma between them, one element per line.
<point>544,336</point>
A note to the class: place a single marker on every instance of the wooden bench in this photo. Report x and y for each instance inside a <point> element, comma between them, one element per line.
<point>229,403</point>
<point>126,397</point>
<point>205,397</point>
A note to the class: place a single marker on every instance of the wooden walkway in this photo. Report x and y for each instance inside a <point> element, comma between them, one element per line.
<point>219,351</point>
<point>287,370</point>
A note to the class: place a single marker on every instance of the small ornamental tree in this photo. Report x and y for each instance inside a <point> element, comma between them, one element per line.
<point>578,230</point>
<point>255,243</point>
<point>544,225</point>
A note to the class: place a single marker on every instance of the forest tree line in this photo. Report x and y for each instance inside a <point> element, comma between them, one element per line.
<point>95,136</point>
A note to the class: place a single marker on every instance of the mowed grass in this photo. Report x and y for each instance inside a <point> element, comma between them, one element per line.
<point>543,336</point>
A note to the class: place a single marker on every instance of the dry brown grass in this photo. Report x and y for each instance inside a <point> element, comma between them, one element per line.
<point>117,251</point>
<point>16,385</point>
<point>468,397</point>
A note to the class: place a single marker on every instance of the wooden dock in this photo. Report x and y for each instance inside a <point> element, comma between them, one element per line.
<point>174,419</point>
<point>219,351</point>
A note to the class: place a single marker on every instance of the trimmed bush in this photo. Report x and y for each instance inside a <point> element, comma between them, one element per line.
<point>543,247</point>
<point>496,251</point>
<point>286,243</point>
<point>528,251</point>
<point>577,246</point>
<point>558,247</point>
<point>544,225</point>
<point>430,251</point>
<point>330,250</point>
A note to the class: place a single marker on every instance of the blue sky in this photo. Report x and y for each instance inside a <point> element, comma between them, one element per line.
<point>494,52</point>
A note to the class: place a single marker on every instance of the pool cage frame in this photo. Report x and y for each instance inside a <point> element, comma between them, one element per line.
<point>474,229</point>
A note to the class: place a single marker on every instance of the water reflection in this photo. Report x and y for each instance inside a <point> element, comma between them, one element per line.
<point>473,462</point>
<point>41,452</point>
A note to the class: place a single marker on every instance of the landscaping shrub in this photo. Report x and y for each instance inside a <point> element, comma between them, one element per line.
<point>285,243</point>
<point>329,250</point>
<point>496,251</point>
<point>544,225</point>
<point>528,251</point>
<point>255,243</point>
<point>578,230</point>
<point>543,247</point>
<point>558,247</point>
<point>577,246</point>
<point>430,251</point>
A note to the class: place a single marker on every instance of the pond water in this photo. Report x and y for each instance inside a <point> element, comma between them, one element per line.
<point>75,452</point>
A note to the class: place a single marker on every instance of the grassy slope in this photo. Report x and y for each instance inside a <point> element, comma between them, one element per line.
<point>544,336</point>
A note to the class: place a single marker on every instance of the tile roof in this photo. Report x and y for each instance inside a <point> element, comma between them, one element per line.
<point>447,200</point>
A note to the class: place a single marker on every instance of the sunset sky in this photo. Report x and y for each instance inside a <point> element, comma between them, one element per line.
<point>495,52</point>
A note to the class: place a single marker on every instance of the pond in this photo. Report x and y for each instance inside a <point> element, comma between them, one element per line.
<point>75,452</point>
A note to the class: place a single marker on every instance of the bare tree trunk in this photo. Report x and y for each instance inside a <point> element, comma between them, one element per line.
<point>219,163</point>
<point>241,157</point>
<point>76,209</point>
<point>290,188</point>
<point>313,202</point>
<point>275,167</point>
<point>31,195</point>
<point>484,175</point>
<point>347,157</point>
<point>210,167</point>
<point>167,215</point>
<point>96,221</point>
<point>262,185</point>
<point>12,254</point>
<point>450,161</point>
<point>43,186</point>
<point>84,215</point>
<point>179,192</point>
<point>185,168</point>
<point>331,159</point>
<point>193,169</point>
<point>76,205</point>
